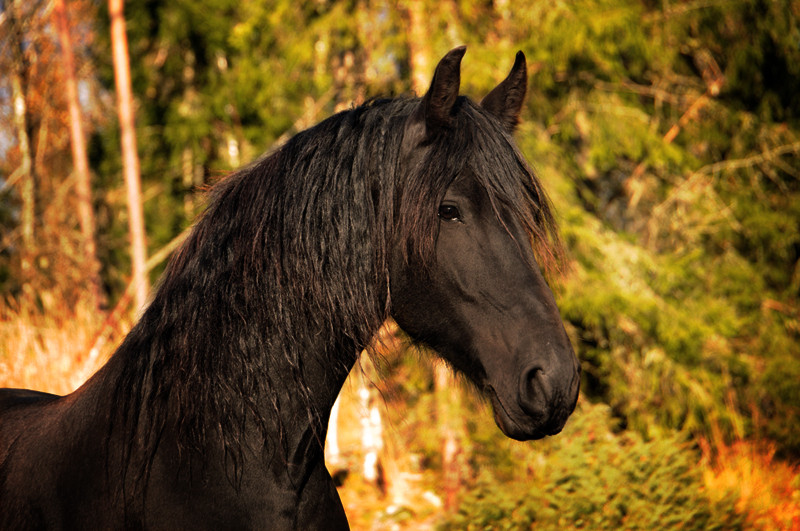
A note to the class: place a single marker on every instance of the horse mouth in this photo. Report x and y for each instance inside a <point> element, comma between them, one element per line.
<point>522,427</point>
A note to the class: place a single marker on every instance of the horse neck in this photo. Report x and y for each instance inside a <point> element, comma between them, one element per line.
<point>305,429</point>
<point>211,368</point>
<point>324,371</point>
<point>254,328</point>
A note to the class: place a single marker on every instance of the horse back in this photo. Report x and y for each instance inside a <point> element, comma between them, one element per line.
<point>21,411</point>
<point>24,414</point>
<point>27,471</point>
<point>19,398</point>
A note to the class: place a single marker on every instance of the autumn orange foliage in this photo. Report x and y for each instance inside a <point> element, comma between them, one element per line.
<point>767,490</point>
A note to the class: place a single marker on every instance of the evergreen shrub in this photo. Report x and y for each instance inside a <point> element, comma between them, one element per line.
<point>590,477</point>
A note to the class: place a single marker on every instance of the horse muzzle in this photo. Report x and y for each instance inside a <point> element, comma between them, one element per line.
<point>543,402</point>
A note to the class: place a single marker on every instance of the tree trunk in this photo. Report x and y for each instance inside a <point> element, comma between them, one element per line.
<point>451,431</point>
<point>130,158</point>
<point>79,158</point>
<point>26,176</point>
<point>418,53</point>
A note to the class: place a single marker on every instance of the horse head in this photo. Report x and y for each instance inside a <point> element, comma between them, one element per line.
<point>480,299</point>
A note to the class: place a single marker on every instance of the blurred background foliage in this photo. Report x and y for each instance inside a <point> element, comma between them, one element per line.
<point>667,134</point>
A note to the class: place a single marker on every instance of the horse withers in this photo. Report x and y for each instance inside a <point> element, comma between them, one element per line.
<point>212,412</point>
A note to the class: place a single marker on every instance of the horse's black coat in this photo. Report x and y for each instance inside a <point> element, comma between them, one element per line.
<point>212,413</point>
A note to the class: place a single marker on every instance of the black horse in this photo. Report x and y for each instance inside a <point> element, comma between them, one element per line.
<point>212,413</point>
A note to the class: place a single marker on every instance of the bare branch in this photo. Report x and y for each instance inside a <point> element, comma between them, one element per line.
<point>754,160</point>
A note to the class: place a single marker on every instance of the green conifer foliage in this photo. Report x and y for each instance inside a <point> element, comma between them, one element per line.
<point>667,134</point>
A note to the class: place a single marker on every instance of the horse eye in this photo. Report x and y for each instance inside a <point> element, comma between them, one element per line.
<point>449,213</point>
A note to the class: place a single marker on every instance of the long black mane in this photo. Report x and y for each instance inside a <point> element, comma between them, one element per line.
<point>279,265</point>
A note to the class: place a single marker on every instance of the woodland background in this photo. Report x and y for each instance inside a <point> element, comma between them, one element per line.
<point>666,132</point>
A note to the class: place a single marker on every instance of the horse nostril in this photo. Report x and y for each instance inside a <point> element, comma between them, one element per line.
<point>534,395</point>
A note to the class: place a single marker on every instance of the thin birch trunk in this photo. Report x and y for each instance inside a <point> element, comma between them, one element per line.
<point>418,53</point>
<point>130,158</point>
<point>80,159</point>
<point>26,175</point>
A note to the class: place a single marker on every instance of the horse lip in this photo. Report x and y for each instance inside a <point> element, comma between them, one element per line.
<point>510,426</point>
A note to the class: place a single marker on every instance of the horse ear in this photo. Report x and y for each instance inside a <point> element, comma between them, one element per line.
<point>435,109</point>
<point>438,102</point>
<point>506,99</point>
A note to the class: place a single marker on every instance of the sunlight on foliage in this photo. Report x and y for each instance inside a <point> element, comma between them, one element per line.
<point>591,477</point>
<point>767,491</point>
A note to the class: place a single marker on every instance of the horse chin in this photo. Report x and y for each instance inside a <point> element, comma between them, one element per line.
<point>521,427</point>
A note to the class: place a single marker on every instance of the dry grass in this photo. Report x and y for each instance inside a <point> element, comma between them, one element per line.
<point>51,350</point>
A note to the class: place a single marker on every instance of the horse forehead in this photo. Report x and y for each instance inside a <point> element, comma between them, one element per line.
<point>467,186</point>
